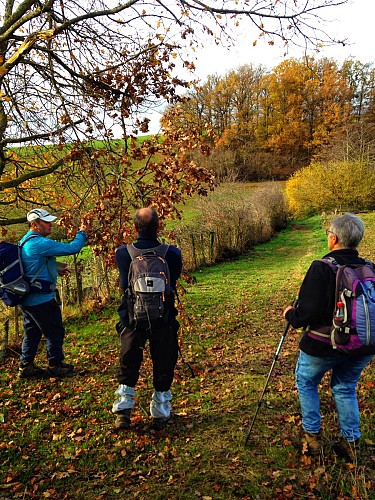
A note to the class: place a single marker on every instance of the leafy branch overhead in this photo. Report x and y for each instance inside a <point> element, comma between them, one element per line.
<point>73,74</point>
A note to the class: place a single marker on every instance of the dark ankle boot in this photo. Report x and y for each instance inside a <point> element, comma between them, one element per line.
<point>347,449</point>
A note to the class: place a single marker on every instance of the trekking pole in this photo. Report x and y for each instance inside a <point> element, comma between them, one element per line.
<point>276,355</point>
<point>186,363</point>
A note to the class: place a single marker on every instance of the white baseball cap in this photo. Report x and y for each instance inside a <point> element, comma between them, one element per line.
<point>40,213</point>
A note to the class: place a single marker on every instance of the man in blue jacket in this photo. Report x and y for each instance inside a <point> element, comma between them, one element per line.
<point>162,335</point>
<point>41,312</point>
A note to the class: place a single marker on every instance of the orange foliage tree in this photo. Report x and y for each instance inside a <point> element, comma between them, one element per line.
<point>307,100</point>
<point>284,117</point>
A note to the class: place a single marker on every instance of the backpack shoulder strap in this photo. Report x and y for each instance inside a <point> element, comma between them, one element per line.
<point>133,252</point>
<point>27,239</point>
<point>46,263</point>
<point>370,264</point>
<point>20,245</point>
<point>337,269</point>
<point>160,250</point>
<point>335,266</point>
<point>332,263</point>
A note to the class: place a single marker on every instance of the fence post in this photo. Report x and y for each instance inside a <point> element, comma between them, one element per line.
<point>4,344</point>
<point>212,246</point>
<point>78,278</point>
<point>105,277</point>
<point>193,251</point>
<point>202,249</point>
<point>16,322</point>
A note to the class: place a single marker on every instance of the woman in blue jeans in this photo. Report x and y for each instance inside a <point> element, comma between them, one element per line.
<point>316,302</point>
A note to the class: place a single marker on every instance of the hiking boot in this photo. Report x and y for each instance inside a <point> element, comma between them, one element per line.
<point>158,424</point>
<point>309,444</point>
<point>61,370</point>
<point>123,419</point>
<point>346,449</point>
<point>31,371</point>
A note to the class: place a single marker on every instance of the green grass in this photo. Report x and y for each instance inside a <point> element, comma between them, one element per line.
<point>58,441</point>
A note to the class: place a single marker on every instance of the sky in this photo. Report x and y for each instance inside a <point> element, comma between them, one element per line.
<point>353,21</point>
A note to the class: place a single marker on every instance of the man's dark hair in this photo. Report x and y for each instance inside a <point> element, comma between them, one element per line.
<point>146,221</point>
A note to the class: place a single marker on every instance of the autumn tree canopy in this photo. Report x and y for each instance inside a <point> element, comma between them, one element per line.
<point>267,122</point>
<point>72,73</point>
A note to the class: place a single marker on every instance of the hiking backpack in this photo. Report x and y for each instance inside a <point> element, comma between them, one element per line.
<point>353,328</point>
<point>14,285</point>
<point>149,289</point>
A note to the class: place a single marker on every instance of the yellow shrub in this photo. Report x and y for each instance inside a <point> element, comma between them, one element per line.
<point>343,186</point>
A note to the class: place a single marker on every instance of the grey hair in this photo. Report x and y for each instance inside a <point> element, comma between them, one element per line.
<point>146,221</point>
<point>349,230</point>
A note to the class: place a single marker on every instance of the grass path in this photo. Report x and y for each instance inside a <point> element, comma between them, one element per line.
<point>57,440</point>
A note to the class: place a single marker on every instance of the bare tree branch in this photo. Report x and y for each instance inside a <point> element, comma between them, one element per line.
<point>32,175</point>
<point>32,138</point>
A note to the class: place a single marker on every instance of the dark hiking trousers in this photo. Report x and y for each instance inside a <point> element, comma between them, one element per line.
<point>163,350</point>
<point>43,319</point>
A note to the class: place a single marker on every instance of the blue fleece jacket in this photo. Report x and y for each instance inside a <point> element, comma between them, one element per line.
<point>36,251</point>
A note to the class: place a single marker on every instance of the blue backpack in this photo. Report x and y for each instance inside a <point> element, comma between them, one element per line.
<point>353,328</point>
<point>14,285</point>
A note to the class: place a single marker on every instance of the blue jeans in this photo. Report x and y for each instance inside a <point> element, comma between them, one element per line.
<point>43,319</point>
<point>344,378</point>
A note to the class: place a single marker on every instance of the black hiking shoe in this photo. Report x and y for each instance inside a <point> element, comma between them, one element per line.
<point>31,371</point>
<point>346,449</point>
<point>123,419</point>
<point>61,370</point>
<point>158,424</point>
<point>308,444</point>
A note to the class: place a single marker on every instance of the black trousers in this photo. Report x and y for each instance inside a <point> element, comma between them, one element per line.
<point>163,349</point>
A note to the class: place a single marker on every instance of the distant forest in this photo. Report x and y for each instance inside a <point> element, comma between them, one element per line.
<point>265,124</point>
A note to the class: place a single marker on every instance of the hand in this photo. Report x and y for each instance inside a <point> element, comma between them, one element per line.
<point>119,327</point>
<point>288,308</point>
<point>85,225</point>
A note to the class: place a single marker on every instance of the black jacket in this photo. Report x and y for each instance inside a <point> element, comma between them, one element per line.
<point>316,300</point>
